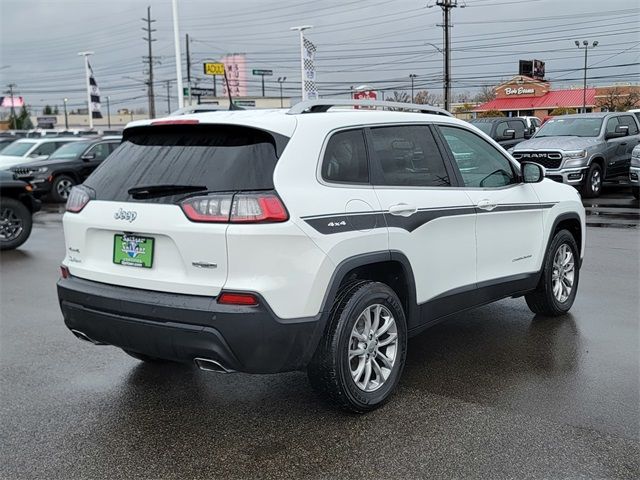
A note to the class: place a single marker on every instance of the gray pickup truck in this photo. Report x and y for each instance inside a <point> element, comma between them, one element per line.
<point>584,149</point>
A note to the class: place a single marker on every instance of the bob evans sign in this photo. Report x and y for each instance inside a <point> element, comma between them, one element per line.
<point>519,91</point>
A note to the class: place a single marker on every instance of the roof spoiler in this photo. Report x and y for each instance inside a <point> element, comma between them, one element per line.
<point>318,106</point>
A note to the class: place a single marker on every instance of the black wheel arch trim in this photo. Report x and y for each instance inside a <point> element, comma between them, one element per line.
<point>561,218</point>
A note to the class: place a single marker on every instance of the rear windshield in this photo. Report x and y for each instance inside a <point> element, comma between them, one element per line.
<point>219,157</point>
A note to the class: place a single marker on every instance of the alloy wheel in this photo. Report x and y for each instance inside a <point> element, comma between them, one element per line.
<point>373,347</point>
<point>563,274</point>
<point>10,225</point>
<point>596,181</point>
<point>64,188</point>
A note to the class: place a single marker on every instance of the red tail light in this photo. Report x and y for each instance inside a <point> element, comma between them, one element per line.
<point>253,207</point>
<point>230,298</point>
<point>78,199</point>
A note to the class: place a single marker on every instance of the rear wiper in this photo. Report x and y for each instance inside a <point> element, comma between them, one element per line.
<point>156,191</point>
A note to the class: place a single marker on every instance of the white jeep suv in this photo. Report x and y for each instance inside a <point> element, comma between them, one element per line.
<point>318,238</point>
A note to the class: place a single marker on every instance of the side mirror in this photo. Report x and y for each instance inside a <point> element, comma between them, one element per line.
<point>508,134</point>
<point>620,131</point>
<point>88,156</point>
<point>532,172</point>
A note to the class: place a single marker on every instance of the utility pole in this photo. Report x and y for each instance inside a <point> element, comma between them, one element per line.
<point>150,40</point>
<point>189,72</point>
<point>169,96</point>
<point>108,112</point>
<point>12,122</point>
<point>412,76</point>
<point>86,74</point>
<point>446,6</point>
<point>585,46</point>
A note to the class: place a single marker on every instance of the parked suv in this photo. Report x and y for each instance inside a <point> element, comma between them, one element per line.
<point>17,205</point>
<point>268,241</point>
<point>583,149</point>
<point>29,149</point>
<point>68,166</point>
<point>508,132</point>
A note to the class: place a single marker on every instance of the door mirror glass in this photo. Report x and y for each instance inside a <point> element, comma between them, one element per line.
<point>622,130</point>
<point>88,156</point>
<point>532,172</point>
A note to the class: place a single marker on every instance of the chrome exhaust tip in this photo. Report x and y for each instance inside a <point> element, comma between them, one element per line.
<point>209,365</point>
<point>83,336</point>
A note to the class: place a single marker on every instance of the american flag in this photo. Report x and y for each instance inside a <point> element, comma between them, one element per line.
<point>95,95</point>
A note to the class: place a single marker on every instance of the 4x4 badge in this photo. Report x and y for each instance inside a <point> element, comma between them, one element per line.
<point>128,215</point>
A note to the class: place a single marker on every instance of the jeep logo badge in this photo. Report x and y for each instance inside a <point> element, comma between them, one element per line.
<point>128,215</point>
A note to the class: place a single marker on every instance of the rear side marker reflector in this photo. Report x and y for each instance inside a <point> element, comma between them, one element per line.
<point>229,298</point>
<point>64,271</point>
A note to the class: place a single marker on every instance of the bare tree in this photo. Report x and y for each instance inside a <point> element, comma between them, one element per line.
<point>619,99</point>
<point>399,97</point>
<point>486,94</point>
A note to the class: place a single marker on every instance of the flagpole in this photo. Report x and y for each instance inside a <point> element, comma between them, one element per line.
<point>86,75</point>
<point>176,41</point>
<point>301,29</point>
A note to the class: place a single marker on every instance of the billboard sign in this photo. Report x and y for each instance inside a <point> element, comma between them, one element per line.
<point>5,102</point>
<point>532,68</point>
<point>213,68</point>
<point>236,67</point>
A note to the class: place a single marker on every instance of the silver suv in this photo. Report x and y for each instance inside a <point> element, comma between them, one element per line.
<point>584,149</point>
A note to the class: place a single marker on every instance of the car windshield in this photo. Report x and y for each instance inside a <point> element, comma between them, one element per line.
<point>70,150</point>
<point>18,149</point>
<point>571,127</point>
<point>484,126</point>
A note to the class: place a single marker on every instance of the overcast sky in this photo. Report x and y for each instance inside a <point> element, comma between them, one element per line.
<point>376,42</point>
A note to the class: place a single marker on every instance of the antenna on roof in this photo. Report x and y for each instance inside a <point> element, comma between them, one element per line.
<point>232,106</point>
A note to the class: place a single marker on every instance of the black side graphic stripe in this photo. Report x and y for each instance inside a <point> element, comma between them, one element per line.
<point>349,222</point>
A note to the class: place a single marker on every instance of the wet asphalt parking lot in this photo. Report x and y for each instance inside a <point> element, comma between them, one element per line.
<point>492,393</point>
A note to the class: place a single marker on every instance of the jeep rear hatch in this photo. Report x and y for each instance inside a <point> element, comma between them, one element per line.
<point>150,222</point>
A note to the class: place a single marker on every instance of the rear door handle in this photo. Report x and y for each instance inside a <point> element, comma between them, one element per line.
<point>402,210</point>
<point>486,204</point>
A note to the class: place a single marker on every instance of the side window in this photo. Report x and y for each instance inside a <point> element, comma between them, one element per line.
<point>101,151</point>
<point>480,164</point>
<point>345,158</point>
<point>407,155</point>
<point>113,146</point>
<point>45,149</point>
<point>518,126</point>
<point>612,123</point>
<point>536,122</point>
<point>629,122</point>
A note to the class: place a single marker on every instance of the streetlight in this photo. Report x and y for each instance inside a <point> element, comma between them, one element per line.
<point>66,117</point>
<point>281,80</point>
<point>108,112</point>
<point>585,46</point>
<point>412,76</point>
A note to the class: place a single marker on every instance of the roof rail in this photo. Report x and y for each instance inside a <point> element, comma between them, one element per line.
<point>317,106</point>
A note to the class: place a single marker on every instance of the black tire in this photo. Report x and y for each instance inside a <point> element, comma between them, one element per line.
<point>636,192</point>
<point>330,369</point>
<point>15,223</point>
<point>593,182</point>
<point>61,187</point>
<point>542,300</point>
<point>144,358</point>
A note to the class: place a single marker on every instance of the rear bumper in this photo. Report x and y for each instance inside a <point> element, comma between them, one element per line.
<point>183,327</point>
